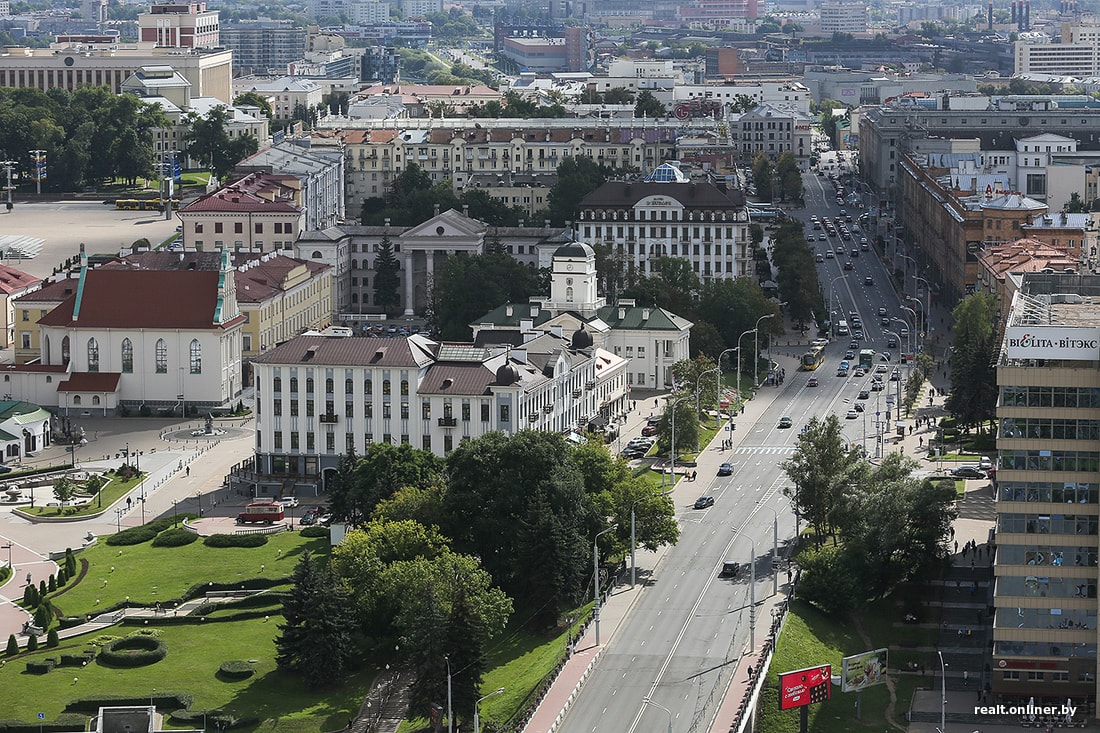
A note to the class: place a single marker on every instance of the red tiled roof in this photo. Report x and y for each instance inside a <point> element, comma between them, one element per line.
<point>90,382</point>
<point>233,200</point>
<point>52,292</point>
<point>35,368</point>
<point>142,299</point>
<point>12,280</point>
<point>351,351</point>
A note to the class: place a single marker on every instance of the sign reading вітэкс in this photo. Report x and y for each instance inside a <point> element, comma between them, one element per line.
<point>1052,342</point>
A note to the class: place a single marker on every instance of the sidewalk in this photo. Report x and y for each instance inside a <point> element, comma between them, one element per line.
<point>616,608</point>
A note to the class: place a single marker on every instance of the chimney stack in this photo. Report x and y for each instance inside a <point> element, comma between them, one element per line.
<point>1013,11</point>
<point>991,15</point>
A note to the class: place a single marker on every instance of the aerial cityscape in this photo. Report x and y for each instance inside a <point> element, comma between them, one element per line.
<point>386,366</point>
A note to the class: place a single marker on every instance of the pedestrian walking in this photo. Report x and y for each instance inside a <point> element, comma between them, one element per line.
<point>693,475</point>
<point>956,547</point>
<point>966,678</point>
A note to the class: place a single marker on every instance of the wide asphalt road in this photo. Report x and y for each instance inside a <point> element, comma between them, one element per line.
<point>683,637</point>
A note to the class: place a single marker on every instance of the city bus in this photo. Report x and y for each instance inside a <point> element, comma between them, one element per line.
<point>128,204</point>
<point>813,358</point>
<point>261,512</point>
<point>867,358</point>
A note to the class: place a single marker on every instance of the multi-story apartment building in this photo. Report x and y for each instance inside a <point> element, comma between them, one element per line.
<point>262,47</point>
<point>374,157</point>
<point>838,17</point>
<point>69,66</point>
<point>1002,266</point>
<point>261,212</point>
<point>669,216</point>
<point>179,25</point>
<point>319,397</point>
<point>948,229</point>
<point>1076,53</point>
<point>13,284</point>
<point>773,130</point>
<point>1047,493</point>
<point>286,94</point>
<point>320,173</point>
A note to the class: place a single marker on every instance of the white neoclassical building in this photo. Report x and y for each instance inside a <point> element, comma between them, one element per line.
<point>154,338</point>
<point>318,397</point>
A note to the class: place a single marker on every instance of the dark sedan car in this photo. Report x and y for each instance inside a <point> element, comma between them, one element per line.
<point>968,472</point>
<point>703,502</point>
<point>726,469</point>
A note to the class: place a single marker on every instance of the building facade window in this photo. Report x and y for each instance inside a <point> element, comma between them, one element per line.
<point>93,355</point>
<point>127,356</point>
<point>196,356</point>
<point>161,356</point>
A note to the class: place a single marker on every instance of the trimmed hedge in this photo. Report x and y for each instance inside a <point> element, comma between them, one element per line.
<point>215,719</point>
<point>162,700</point>
<point>259,600</point>
<point>314,531</point>
<point>143,533</point>
<point>236,669</point>
<point>192,619</point>
<point>174,538</point>
<point>41,666</point>
<point>60,724</point>
<point>235,540</point>
<point>77,660</point>
<point>138,650</point>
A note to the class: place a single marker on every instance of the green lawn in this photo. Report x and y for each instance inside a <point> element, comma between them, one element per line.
<point>149,574</point>
<point>111,492</point>
<point>194,654</point>
<point>810,638</point>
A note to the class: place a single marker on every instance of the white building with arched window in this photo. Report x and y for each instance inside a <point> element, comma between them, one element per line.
<point>161,339</point>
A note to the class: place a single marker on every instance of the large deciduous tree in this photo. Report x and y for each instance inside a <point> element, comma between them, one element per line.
<point>975,343</point>
<point>687,426</point>
<point>820,468</point>
<point>470,286</point>
<point>361,483</point>
<point>209,143</point>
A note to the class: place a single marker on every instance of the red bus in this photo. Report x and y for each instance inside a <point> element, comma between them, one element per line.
<point>263,512</point>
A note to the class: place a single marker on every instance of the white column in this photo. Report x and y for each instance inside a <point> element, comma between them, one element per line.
<point>408,282</point>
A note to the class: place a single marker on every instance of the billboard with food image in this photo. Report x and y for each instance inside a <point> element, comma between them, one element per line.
<point>863,670</point>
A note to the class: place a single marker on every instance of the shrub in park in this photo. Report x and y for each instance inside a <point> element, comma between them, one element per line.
<point>62,578</point>
<point>134,651</point>
<point>70,562</point>
<point>13,646</point>
<point>51,586</point>
<point>41,666</point>
<point>236,669</point>
<point>132,536</point>
<point>30,595</point>
<point>235,540</point>
<point>41,589</point>
<point>42,616</point>
<point>52,639</point>
<point>32,643</point>
<point>174,538</point>
<point>314,531</point>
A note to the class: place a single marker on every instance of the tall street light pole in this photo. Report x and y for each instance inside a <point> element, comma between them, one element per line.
<point>7,165</point>
<point>668,712</point>
<point>450,716</point>
<point>756,349</point>
<point>743,335</point>
<point>698,395</point>
<point>10,565</point>
<point>596,577</point>
<point>477,706</point>
<point>672,447</point>
<point>943,693</point>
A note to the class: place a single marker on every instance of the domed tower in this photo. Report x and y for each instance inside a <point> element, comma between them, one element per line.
<point>573,280</point>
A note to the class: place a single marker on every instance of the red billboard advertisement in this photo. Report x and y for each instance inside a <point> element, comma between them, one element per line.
<point>804,686</point>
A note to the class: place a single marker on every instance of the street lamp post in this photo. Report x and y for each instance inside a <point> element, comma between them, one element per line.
<point>832,293</point>
<point>672,447</point>
<point>743,335</point>
<point>8,548</point>
<point>649,701</point>
<point>596,577</point>
<point>755,349</point>
<point>943,693</point>
<point>174,502</point>
<point>698,395</point>
<point>477,705</point>
<point>450,717</point>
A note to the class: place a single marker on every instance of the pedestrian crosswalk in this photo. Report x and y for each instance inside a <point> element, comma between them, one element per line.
<point>765,450</point>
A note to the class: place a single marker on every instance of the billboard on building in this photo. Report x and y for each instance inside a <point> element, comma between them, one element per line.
<point>805,686</point>
<point>1053,342</point>
<point>864,670</point>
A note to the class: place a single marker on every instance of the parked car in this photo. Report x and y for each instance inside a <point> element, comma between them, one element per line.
<point>985,463</point>
<point>290,502</point>
<point>726,469</point>
<point>968,472</point>
<point>703,502</point>
<point>649,430</point>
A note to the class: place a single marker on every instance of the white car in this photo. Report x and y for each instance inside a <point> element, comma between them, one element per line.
<point>852,415</point>
<point>288,501</point>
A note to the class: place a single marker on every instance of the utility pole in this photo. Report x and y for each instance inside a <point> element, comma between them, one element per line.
<point>39,169</point>
<point>8,165</point>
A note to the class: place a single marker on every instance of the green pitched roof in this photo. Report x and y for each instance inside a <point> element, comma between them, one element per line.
<point>633,318</point>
